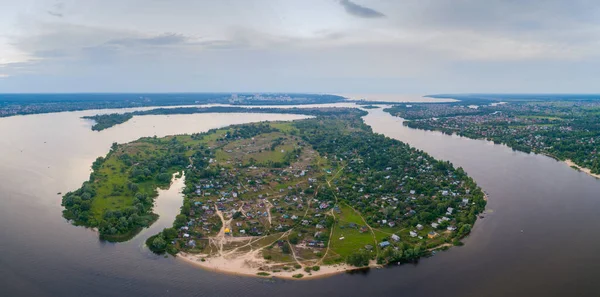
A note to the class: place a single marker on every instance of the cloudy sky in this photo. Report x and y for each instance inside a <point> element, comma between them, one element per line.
<point>332,46</point>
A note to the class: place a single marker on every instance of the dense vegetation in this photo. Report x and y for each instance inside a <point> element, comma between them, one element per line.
<point>19,104</point>
<point>118,197</point>
<point>560,129</point>
<point>109,120</point>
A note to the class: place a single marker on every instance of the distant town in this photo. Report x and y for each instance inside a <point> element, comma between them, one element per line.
<point>21,104</point>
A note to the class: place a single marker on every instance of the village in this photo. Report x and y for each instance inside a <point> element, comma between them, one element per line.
<point>562,130</point>
<point>272,199</point>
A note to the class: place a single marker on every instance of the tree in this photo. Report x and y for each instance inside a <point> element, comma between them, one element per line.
<point>180,220</point>
<point>169,233</point>
<point>359,259</point>
<point>159,243</point>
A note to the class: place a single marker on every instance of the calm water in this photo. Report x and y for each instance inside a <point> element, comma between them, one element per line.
<point>539,238</point>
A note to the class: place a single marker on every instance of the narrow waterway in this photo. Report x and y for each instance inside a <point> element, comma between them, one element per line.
<point>536,240</point>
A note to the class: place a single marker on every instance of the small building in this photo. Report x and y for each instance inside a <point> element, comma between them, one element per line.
<point>419,227</point>
<point>384,244</point>
<point>449,211</point>
<point>451,228</point>
<point>413,234</point>
<point>432,234</point>
<point>227,231</point>
<point>395,237</point>
<point>435,225</point>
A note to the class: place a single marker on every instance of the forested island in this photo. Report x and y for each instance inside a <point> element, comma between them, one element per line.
<point>23,104</point>
<point>567,130</point>
<point>289,199</point>
<point>106,121</point>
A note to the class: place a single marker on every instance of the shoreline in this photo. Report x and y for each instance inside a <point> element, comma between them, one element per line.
<point>582,169</point>
<point>250,266</point>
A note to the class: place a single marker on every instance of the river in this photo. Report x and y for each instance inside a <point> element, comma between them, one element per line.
<point>538,238</point>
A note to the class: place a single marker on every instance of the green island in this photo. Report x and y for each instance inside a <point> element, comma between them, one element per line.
<point>294,199</point>
<point>106,121</point>
<point>370,106</point>
<point>567,130</point>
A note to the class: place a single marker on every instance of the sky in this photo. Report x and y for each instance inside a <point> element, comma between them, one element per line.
<point>322,46</point>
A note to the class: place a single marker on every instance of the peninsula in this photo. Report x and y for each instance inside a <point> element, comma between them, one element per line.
<point>563,128</point>
<point>294,199</point>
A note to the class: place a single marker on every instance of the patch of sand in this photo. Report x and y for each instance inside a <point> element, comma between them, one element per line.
<point>582,169</point>
<point>250,264</point>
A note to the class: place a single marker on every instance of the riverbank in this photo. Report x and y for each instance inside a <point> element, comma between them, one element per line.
<point>249,265</point>
<point>582,169</point>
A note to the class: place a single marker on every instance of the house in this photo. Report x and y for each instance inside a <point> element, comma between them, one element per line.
<point>395,237</point>
<point>435,225</point>
<point>413,234</point>
<point>444,193</point>
<point>391,224</point>
<point>432,234</point>
<point>419,227</point>
<point>451,228</point>
<point>384,244</point>
<point>449,211</point>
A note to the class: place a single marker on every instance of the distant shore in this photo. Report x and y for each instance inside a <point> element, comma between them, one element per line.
<point>247,265</point>
<point>582,169</point>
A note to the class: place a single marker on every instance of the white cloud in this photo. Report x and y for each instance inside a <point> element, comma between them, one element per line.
<point>235,42</point>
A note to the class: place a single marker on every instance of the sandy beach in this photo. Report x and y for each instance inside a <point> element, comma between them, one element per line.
<point>582,169</point>
<point>249,265</point>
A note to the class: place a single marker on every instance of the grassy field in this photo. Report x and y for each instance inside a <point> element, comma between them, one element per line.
<point>285,127</point>
<point>352,240</point>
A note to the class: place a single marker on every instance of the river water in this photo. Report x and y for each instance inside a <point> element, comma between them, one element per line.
<point>538,238</point>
